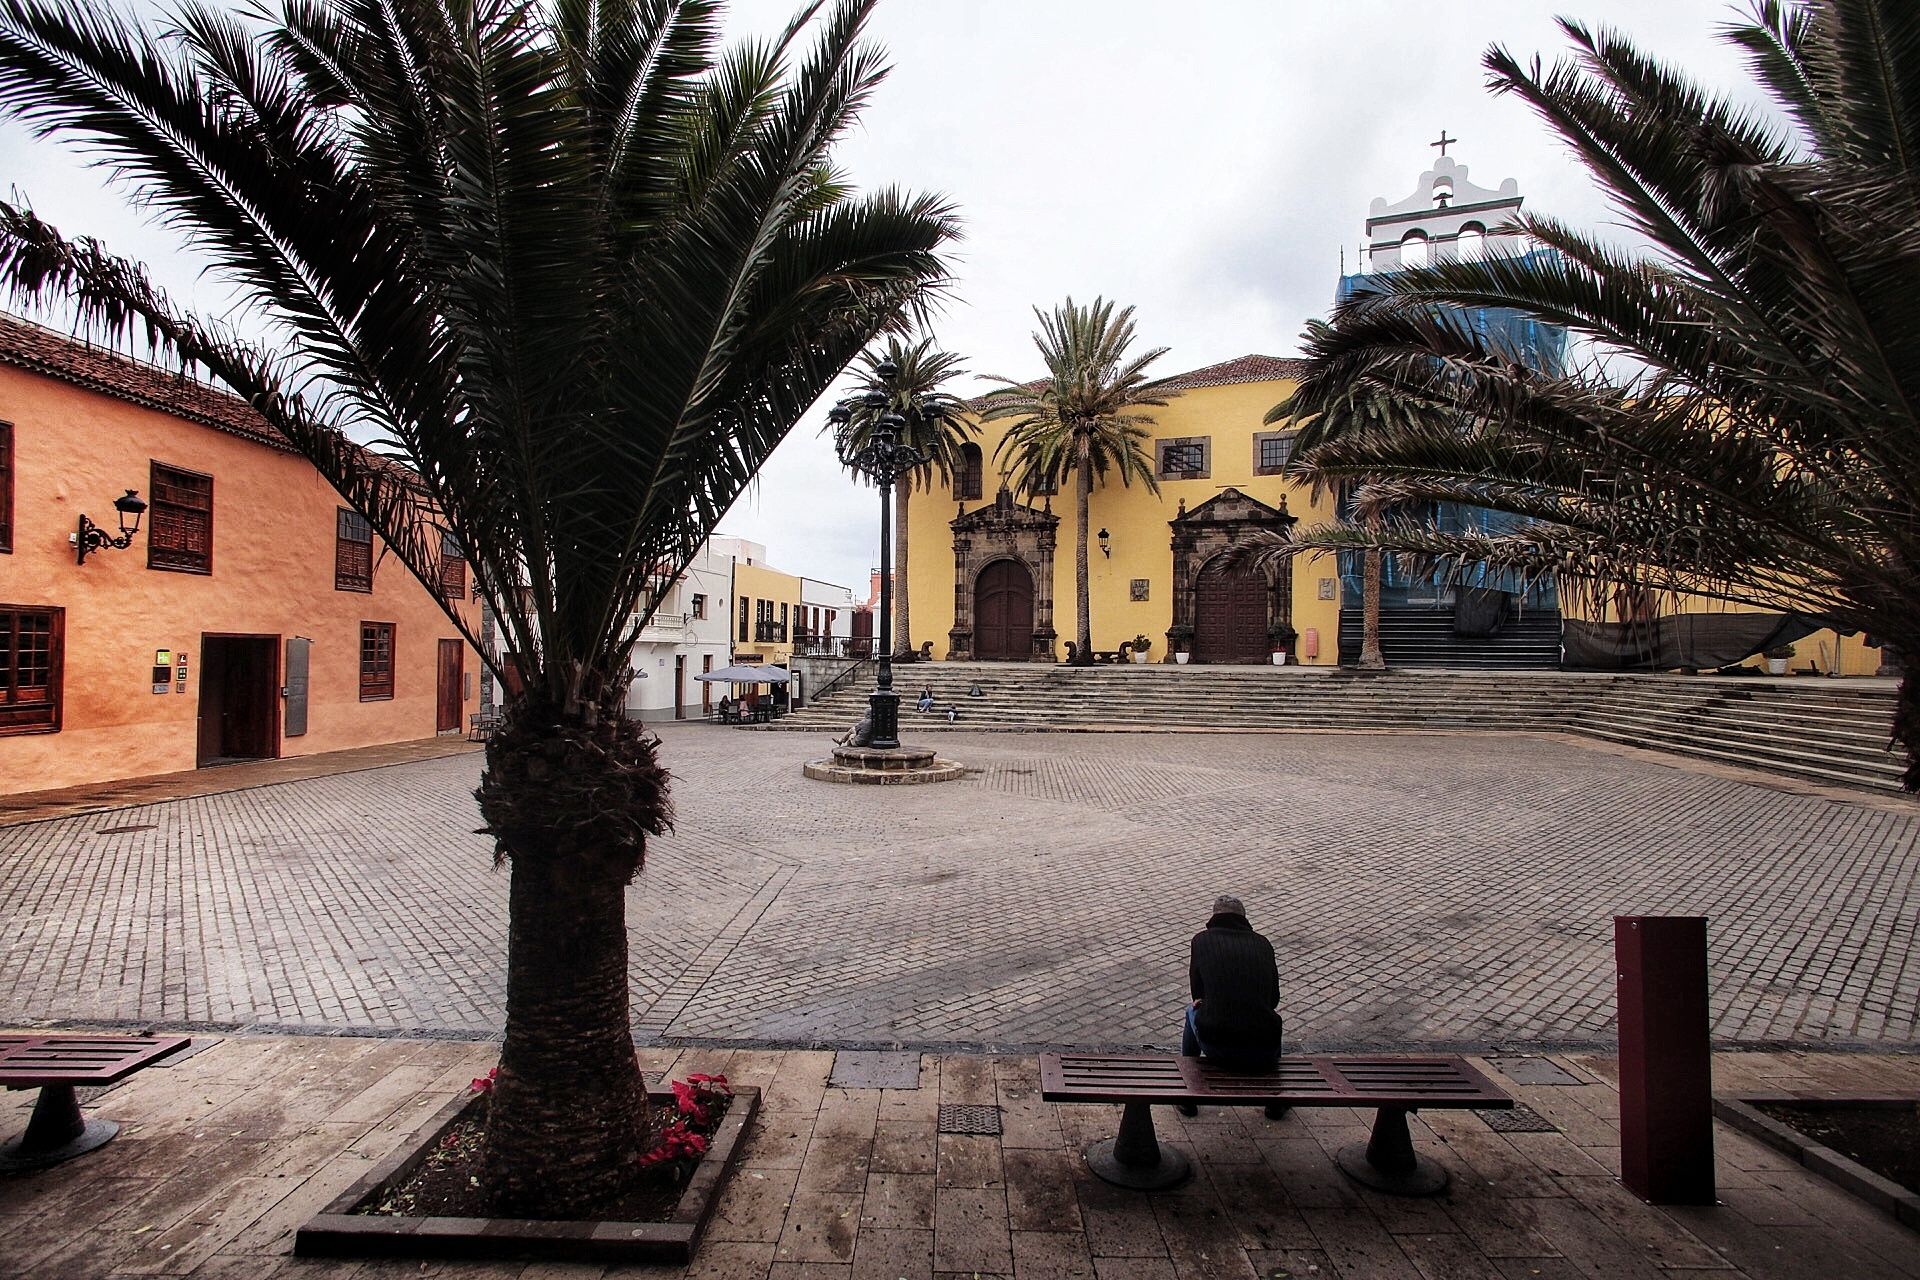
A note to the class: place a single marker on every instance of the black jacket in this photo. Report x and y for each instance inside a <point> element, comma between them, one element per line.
<point>1233,976</point>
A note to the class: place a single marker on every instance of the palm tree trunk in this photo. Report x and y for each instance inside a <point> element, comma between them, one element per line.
<point>568,1113</point>
<point>903,642</point>
<point>1084,632</point>
<point>1906,716</point>
<point>1371,659</point>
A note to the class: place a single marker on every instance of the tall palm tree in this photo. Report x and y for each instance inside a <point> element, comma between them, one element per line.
<point>573,271</point>
<point>938,424</point>
<point>1077,420</point>
<point>1367,411</point>
<point>1770,452</point>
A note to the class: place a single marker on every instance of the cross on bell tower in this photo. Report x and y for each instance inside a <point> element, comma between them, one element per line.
<point>1444,142</point>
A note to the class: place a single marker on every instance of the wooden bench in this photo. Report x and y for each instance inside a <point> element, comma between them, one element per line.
<point>1393,1085</point>
<point>55,1064</point>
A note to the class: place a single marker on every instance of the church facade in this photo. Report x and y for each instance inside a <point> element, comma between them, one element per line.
<point>992,572</point>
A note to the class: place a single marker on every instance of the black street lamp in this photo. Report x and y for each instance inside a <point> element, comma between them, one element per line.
<point>91,537</point>
<point>875,450</point>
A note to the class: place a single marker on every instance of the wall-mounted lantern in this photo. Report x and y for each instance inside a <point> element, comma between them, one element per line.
<point>93,538</point>
<point>1106,544</point>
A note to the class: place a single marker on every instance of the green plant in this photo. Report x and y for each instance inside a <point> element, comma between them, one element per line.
<point>1749,427</point>
<point>1077,421</point>
<point>1141,644</point>
<point>574,270</point>
<point>1781,651</point>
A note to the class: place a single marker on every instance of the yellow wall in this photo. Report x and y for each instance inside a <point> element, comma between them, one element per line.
<point>75,451</point>
<point>1141,536</point>
<point>753,583</point>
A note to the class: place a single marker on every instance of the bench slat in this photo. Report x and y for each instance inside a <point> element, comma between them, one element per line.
<point>1319,1080</point>
<point>35,1061</point>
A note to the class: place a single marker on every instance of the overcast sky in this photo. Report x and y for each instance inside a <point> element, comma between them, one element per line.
<point>1202,160</point>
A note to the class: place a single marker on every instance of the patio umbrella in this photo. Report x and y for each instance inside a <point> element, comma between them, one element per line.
<point>745,675</point>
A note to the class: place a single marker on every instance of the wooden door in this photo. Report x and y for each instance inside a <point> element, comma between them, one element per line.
<point>679,686</point>
<point>1003,612</point>
<point>1230,614</point>
<point>446,703</point>
<point>239,697</point>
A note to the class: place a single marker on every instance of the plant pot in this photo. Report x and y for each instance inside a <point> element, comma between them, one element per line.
<point>1777,666</point>
<point>1181,658</point>
<point>1139,658</point>
<point>1280,658</point>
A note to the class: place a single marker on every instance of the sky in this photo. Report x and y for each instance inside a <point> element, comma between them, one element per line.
<point>1204,161</point>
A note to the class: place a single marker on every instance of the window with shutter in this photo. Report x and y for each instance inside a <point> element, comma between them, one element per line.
<point>453,568</point>
<point>180,521</point>
<point>352,552</point>
<point>376,661</point>
<point>31,648</point>
<point>6,486</point>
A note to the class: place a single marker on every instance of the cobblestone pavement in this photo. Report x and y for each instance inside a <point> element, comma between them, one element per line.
<point>1420,890</point>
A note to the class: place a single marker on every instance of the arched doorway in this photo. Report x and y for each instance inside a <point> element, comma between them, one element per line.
<point>1230,613</point>
<point>1003,612</point>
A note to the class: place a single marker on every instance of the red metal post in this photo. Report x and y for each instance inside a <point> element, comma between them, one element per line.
<point>1666,1082</point>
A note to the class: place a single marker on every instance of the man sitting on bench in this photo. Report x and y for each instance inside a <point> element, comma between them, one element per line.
<point>1235,983</point>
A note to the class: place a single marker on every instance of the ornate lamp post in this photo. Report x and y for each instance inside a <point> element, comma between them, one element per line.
<point>877,452</point>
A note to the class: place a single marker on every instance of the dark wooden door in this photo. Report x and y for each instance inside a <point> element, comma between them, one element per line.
<point>679,686</point>
<point>239,698</point>
<point>1230,614</point>
<point>446,702</point>
<point>1003,612</point>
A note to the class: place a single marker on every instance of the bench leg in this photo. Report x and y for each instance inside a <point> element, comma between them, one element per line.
<point>1388,1161</point>
<point>1135,1157</point>
<point>56,1131</point>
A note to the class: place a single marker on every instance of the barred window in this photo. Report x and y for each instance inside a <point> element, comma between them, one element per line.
<point>180,532</point>
<point>1272,451</point>
<point>376,661</point>
<point>971,482</point>
<point>1184,459</point>
<point>453,568</point>
<point>31,645</point>
<point>352,552</point>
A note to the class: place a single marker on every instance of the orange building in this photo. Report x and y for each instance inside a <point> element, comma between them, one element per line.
<point>250,616</point>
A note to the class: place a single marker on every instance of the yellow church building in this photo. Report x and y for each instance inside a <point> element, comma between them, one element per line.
<point>991,573</point>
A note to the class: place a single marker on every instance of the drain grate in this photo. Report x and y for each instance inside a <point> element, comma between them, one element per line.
<point>956,1118</point>
<point>131,827</point>
<point>1521,1119</point>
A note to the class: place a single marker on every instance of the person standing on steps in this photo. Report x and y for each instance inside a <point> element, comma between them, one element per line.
<point>1233,1021</point>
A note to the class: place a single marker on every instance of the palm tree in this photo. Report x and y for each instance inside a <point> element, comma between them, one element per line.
<point>1076,420</point>
<point>1770,451</point>
<point>574,271</point>
<point>938,424</point>
<point>1366,412</point>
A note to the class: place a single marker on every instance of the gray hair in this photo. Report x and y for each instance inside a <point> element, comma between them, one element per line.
<point>1228,905</point>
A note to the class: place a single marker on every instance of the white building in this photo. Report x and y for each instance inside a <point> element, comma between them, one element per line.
<point>826,617</point>
<point>687,636</point>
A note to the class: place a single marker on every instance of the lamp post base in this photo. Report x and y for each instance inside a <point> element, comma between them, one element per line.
<point>883,713</point>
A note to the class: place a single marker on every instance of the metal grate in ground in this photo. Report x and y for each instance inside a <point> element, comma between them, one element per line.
<point>961,1118</point>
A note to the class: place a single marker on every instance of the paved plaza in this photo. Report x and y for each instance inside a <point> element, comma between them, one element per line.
<point>1421,890</point>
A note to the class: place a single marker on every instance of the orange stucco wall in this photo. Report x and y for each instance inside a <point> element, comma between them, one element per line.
<point>75,450</point>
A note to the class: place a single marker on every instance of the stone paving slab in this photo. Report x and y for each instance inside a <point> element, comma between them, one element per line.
<point>1420,890</point>
<point>221,1158</point>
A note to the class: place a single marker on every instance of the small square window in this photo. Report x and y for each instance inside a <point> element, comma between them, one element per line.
<point>1272,450</point>
<point>1187,458</point>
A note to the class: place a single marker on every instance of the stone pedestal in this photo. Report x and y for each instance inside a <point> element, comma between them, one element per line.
<point>896,766</point>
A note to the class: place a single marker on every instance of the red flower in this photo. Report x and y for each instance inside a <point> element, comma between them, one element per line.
<point>484,1084</point>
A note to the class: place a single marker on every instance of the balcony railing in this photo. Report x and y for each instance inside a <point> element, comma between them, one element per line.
<point>769,633</point>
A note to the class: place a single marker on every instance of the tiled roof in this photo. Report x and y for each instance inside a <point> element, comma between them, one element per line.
<point>1252,368</point>
<point>1241,369</point>
<point>42,350</point>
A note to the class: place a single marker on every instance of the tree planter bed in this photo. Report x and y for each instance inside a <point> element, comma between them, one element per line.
<point>1744,1113</point>
<point>337,1231</point>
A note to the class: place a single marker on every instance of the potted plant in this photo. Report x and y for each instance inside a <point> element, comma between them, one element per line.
<point>1179,641</point>
<point>1777,659</point>
<point>1280,640</point>
<point>1139,648</point>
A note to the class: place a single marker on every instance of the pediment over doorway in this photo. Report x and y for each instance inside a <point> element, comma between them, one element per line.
<point>1004,515</point>
<point>1232,508</point>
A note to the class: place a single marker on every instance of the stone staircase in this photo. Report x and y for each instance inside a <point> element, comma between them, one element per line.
<point>1811,728</point>
<point>1418,637</point>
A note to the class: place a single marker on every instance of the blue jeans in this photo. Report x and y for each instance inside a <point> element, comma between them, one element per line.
<point>1192,1046</point>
